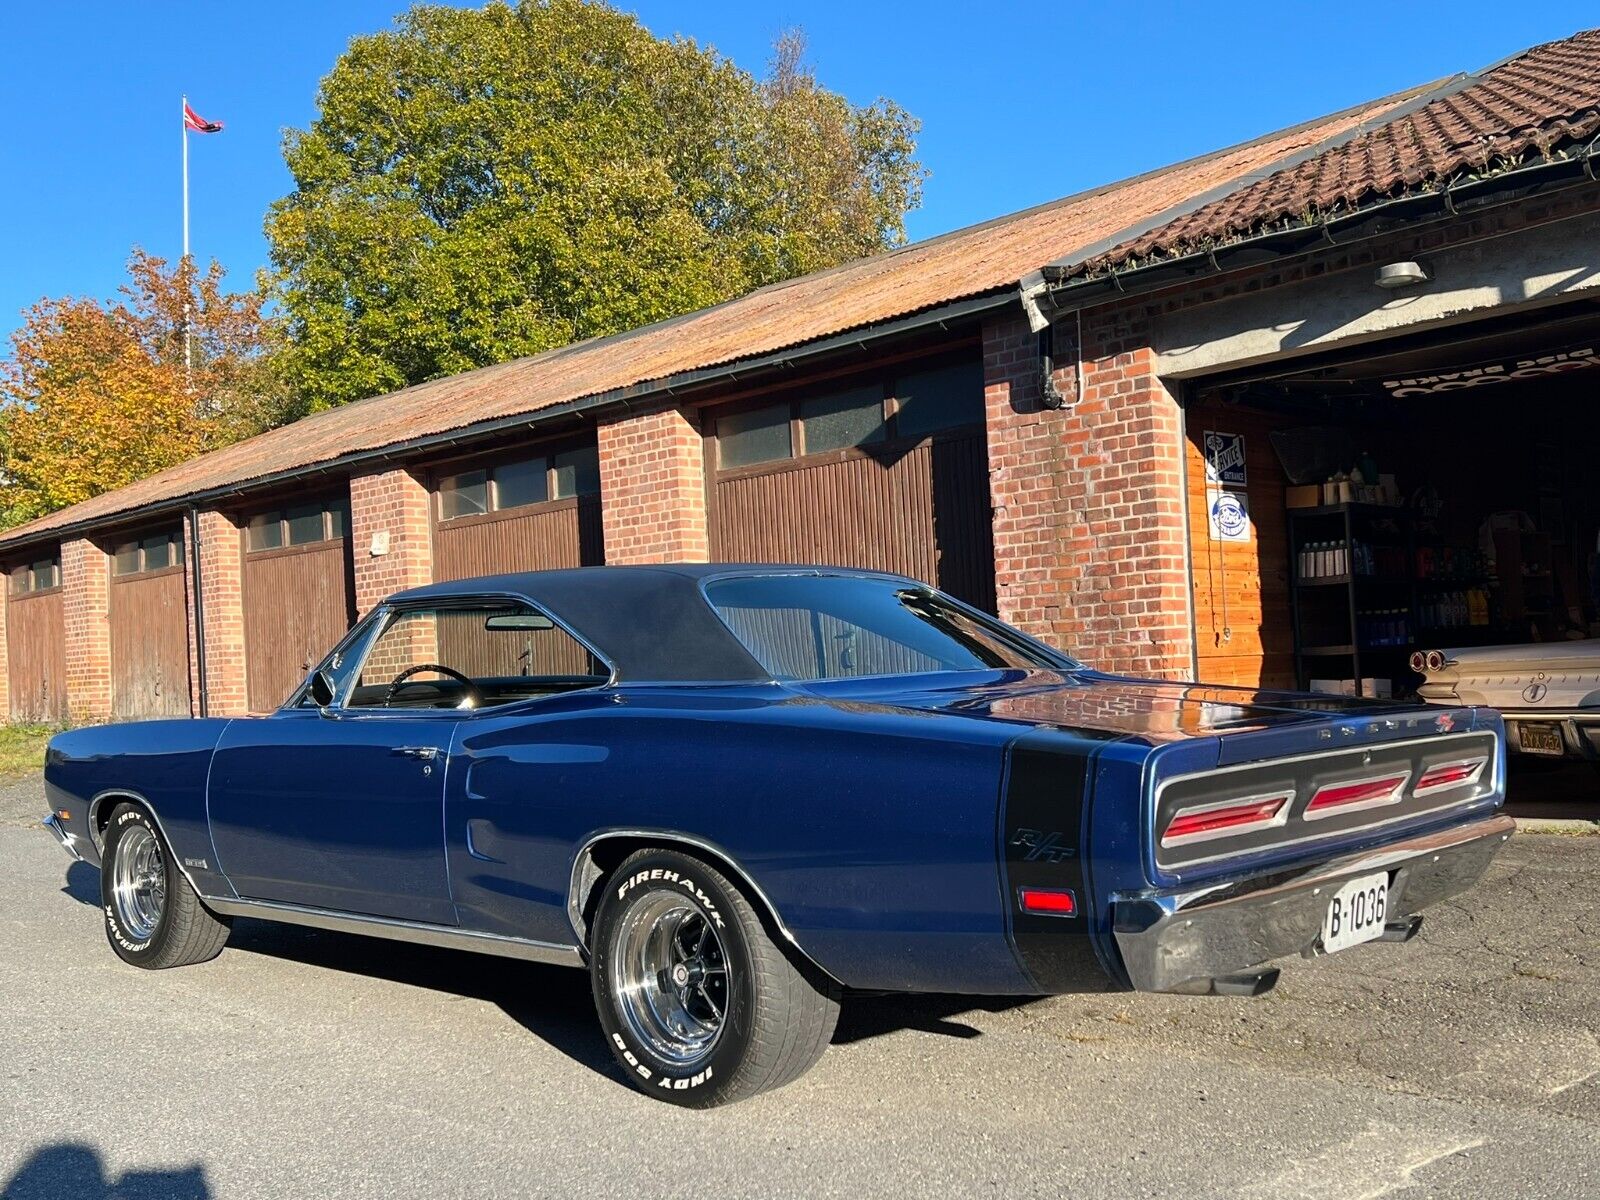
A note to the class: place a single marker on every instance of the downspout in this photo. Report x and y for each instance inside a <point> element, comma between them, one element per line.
<point>199,611</point>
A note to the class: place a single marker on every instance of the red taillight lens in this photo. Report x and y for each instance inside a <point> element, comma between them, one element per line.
<point>1357,794</point>
<point>1450,775</point>
<point>1049,902</point>
<point>1215,820</point>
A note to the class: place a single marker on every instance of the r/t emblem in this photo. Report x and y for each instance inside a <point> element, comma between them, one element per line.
<point>1042,847</point>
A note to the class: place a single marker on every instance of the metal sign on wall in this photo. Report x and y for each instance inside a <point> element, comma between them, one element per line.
<point>1229,514</point>
<point>1225,459</point>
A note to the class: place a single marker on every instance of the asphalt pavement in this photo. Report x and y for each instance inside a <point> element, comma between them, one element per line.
<point>310,1064</point>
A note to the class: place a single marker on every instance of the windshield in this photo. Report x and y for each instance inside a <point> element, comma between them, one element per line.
<point>813,627</point>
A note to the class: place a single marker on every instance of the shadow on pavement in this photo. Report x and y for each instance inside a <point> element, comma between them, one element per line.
<point>74,1170</point>
<point>83,884</point>
<point>552,1003</point>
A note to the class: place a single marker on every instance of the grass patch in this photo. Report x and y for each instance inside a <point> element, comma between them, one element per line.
<point>22,749</point>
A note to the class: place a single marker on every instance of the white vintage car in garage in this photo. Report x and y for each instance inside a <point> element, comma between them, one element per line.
<point>1548,692</point>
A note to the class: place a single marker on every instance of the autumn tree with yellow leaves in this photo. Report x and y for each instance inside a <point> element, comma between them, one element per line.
<point>94,396</point>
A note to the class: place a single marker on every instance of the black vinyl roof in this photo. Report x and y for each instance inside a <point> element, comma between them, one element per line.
<point>652,623</point>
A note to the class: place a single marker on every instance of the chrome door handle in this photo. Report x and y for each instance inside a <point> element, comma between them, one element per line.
<point>427,753</point>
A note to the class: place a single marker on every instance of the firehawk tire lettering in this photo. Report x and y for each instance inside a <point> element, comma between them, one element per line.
<point>775,1020</point>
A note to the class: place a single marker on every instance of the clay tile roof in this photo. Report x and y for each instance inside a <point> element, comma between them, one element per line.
<point>1532,100</point>
<point>1534,105</point>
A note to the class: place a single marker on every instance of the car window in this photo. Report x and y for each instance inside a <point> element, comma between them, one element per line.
<point>471,656</point>
<point>811,627</point>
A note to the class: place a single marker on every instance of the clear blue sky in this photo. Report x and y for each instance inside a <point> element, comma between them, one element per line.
<point>1020,103</point>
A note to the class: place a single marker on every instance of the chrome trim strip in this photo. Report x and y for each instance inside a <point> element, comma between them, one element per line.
<point>129,794</point>
<point>1576,716</point>
<point>415,932</point>
<point>665,837</point>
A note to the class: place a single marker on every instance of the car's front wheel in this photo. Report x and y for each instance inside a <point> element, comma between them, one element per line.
<point>698,1002</point>
<point>154,919</point>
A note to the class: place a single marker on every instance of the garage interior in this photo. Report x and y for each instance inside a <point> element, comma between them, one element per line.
<point>1423,493</point>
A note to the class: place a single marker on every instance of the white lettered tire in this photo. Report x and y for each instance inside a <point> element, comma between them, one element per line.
<point>699,1003</point>
<point>154,919</point>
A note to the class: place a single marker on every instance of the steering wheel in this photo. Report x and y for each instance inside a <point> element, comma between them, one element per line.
<point>474,695</point>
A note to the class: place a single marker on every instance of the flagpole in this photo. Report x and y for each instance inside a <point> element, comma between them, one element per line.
<point>183,273</point>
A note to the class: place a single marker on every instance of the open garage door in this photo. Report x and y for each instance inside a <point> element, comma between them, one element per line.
<point>536,511</point>
<point>889,474</point>
<point>149,621</point>
<point>298,595</point>
<point>36,642</point>
<point>1429,493</point>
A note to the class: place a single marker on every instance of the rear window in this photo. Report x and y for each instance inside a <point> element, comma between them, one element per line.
<point>813,627</point>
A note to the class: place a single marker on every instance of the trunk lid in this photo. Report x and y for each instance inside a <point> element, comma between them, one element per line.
<point>1234,724</point>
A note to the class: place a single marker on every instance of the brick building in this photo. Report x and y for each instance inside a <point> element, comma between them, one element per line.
<point>1096,418</point>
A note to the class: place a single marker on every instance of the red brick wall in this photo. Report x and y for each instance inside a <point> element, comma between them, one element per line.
<point>393,505</point>
<point>1088,500</point>
<point>86,596</point>
<point>653,487</point>
<point>222,591</point>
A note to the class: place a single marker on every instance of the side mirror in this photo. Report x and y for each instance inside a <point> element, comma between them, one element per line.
<point>321,691</point>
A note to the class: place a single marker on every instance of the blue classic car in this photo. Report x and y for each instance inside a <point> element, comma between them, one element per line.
<point>734,793</point>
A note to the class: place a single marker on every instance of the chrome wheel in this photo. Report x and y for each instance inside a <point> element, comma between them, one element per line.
<point>671,976</point>
<point>139,882</point>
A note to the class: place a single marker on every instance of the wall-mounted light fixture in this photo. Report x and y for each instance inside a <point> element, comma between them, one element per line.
<point>1401,274</point>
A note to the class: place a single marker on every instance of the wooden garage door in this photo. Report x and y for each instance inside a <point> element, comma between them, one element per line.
<point>890,474</point>
<point>298,595</point>
<point>533,512</point>
<point>149,621</point>
<point>36,649</point>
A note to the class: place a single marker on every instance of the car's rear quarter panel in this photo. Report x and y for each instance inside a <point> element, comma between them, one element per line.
<point>871,830</point>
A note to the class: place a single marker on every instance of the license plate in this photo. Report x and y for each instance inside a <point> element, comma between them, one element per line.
<point>1356,913</point>
<point>1540,739</point>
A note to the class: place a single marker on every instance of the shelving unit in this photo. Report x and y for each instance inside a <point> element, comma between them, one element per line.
<point>1338,641</point>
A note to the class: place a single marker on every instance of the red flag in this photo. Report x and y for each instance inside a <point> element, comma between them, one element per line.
<point>193,120</point>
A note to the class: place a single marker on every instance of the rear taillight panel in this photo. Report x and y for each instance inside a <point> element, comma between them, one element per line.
<point>1207,822</point>
<point>1354,795</point>
<point>1233,812</point>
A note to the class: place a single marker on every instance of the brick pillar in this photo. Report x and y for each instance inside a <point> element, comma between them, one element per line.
<point>85,600</point>
<point>1089,540</point>
<point>390,535</point>
<point>222,594</point>
<point>653,487</point>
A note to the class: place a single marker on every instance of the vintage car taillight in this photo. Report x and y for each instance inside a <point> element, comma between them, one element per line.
<point>1449,775</point>
<point>1434,660</point>
<point>1418,661</point>
<point>1356,794</point>
<point>1207,821</point>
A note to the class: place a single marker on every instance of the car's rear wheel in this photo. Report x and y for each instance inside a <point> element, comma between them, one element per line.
<point>699,1003</point>
<point>154,919</point>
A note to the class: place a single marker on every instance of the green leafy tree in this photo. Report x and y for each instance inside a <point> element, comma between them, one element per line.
<point>94,396</point>
<point>482,184</point>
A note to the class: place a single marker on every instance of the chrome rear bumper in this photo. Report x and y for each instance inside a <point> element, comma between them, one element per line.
<point>68,840</point>
<point>1169,939</point>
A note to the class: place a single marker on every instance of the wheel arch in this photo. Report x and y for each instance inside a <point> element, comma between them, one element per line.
<point>98,816</point>
<point>604,852</point>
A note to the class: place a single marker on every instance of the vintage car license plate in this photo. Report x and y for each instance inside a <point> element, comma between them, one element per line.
<point>1540,739</point>
<point>1356,913</point>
